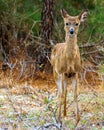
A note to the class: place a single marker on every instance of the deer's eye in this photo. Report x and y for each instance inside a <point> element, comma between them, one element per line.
<point>67,24</point>
<point>76,24</point>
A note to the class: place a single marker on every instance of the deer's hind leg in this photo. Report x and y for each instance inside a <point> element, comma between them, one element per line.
<point>59,83</point>
<point>75,85</point>
<point>65,93</point>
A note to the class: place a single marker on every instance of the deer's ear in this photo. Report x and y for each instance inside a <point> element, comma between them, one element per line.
<point>83,15</point>
<point>64,13</point>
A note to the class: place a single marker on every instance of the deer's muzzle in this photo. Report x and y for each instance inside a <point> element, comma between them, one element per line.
<point>71,31</point>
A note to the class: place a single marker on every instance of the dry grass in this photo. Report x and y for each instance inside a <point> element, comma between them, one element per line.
<point>33,111</point>
<point>31,103</point>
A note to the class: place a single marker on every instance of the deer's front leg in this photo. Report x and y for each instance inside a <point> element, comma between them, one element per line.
<point>60,108</point>
<point>75,85</point>
<point>65,93</point>
<point>65,97</point>
<point>60,95</point>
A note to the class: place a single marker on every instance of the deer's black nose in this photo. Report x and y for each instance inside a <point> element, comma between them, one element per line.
<point>71,31</point>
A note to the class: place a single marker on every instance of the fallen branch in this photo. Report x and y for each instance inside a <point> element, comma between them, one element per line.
<point>48,125</point>
<point>91,52</point>
<point>91,44</point>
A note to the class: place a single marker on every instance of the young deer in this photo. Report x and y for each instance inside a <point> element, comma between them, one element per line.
<point>65,59</point>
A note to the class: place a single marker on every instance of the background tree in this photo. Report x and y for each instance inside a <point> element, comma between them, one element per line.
<point>20,27</point>
<point>47,20</point>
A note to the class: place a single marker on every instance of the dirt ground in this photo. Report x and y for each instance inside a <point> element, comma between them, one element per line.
<point>31,103</point>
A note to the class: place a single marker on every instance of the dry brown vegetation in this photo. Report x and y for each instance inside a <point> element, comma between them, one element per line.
<point>31,103</point>
<point>27,89</point>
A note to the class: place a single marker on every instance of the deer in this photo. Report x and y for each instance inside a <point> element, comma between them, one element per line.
<point>66,62</point>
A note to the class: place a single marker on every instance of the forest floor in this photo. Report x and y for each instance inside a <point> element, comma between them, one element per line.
<point>32,104</point>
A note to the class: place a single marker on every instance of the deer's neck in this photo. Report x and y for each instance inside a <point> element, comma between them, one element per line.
<point>71,41</point>
<point>71,45</point>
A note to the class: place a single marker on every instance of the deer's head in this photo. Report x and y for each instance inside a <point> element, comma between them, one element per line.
<point>72,22</point>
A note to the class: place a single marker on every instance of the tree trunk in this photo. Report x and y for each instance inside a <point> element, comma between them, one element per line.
<point>3,39</point>
<point>47,20</point>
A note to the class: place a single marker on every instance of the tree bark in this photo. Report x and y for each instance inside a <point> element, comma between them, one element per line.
<point>47,20</point>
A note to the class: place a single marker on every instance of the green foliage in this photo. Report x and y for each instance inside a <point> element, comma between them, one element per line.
<point>95,20</point>
<point>101,68</point>
<point>28,11</point>
<point>21,13</point>
<point>46,101</point>
<point>83,121</point>
<point>102,129</point>
<point>26,14</point>
<point>71,126</point>
<point>95,128</point>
